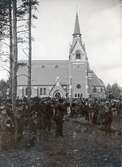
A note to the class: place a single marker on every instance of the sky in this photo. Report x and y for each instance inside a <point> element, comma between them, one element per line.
<point>100,29</point>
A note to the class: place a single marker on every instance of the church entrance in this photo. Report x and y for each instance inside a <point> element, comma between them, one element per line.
<point>57,94</point>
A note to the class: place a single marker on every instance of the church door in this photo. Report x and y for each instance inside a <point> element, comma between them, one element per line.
<point>57,95</point>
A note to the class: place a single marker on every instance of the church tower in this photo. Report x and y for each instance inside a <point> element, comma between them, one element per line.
<point>78,63</point>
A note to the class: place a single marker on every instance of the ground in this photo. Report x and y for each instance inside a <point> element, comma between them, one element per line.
<point>83,145</point>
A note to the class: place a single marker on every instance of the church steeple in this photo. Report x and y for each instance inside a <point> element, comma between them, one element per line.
<point>77,27</point>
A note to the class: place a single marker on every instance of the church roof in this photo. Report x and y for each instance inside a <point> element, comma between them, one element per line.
<point>45,72</point>
<point>94,80</point>
<point>77,26</point>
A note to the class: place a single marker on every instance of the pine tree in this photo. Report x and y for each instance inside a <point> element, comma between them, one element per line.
<point>115,90</point>
<point>4,6</point>
<point>28,6</point>
<point>24,10</point>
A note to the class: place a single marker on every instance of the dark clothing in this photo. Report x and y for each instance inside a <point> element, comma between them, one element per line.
<point>58,118</point>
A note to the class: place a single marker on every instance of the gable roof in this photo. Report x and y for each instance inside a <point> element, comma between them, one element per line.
<point>45,72</point>
<point>56,87</point>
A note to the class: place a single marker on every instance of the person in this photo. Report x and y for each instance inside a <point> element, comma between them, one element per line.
<point>49,115</point>
<point>73,110</point>
<point>18,117</point>
<point>86,111</point>
<point>119,109</point>
<point>108,118</point>
<point>68,109</point>
<point>96,107</point>
<point>7,130</point>
<point>58,118</point>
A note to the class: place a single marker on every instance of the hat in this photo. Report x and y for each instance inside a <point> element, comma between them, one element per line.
<point>2,107</point>
<point>3,112</point>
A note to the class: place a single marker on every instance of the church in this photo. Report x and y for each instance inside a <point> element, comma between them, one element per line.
<point>62,78</point>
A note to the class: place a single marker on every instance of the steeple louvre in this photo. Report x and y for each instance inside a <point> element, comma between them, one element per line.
<point>77,27</point>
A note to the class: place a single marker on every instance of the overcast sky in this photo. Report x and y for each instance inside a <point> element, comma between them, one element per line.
<point>100,28</point>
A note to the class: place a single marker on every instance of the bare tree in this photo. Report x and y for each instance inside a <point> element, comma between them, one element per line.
<point>10,46</point>
<point>30,50</point>
<point>14,55</point>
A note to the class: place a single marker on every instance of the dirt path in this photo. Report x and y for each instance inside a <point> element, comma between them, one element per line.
<point>83,145</point>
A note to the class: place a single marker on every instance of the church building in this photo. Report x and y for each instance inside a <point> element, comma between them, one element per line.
<point>62,78</point>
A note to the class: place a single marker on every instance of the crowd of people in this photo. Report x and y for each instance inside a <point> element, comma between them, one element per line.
<point>34,119</point>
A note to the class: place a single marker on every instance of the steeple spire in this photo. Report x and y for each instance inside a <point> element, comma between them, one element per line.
<point>77,27</point>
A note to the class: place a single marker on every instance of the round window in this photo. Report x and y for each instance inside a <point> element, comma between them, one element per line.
<point>78,86</point>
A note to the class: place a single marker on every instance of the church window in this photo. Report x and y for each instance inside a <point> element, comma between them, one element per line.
<point>101,89</point>
<point>94,89</point>
<point>56,66</point>
<point>37,92</point>
<point>40,91</point>
<point>67,94</point>
<point>26,91</point>
<point>78,95</point>
<point>75,94</point>
<point>44,91</point>
<point>78,86</point>
<point>22,92</point>
<point>78,55</point>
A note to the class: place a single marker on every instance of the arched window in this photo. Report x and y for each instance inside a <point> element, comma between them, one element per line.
<point>78,95</point>
<point>81,95</point>
<point>44,91</point>
<point>23,92</point>
<point>94,89</point>
<point>40,91</point>
<point>26,91</point>
<point>37,92</point>
<point>78,55</point>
